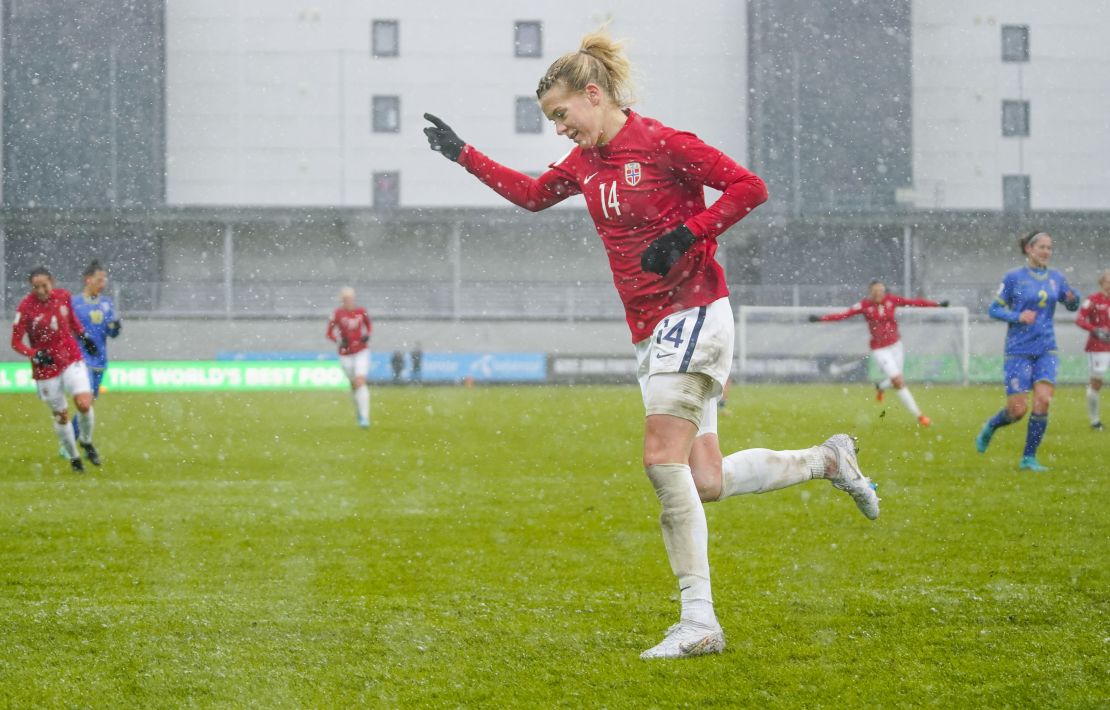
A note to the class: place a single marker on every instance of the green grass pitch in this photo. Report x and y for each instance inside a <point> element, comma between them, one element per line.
<point>499,547</point>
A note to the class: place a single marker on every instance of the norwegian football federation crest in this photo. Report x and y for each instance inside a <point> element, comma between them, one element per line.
<point>632,173</point>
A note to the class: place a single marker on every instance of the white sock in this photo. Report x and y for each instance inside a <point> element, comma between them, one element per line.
<point>86,422</point>
<point>885,384</point>
<point>65,435</point>
<point>1092,405</point>
<point>907,399</point>
<point>686,537</point>
<point>762,470</point>
<point>362,401</point>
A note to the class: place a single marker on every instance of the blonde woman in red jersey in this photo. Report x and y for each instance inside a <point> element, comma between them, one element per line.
<point>349,328</point>
<point>643,185</point>
<point>886,343</point>
<point>1094,317</point>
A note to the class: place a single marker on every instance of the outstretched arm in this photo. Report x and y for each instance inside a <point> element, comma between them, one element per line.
<point>842,315</point>
<point>532,194</point>
<point>331,331</point>
<point>918,302</point>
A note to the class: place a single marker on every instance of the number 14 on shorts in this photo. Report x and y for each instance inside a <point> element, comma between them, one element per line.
<point>672,334</point>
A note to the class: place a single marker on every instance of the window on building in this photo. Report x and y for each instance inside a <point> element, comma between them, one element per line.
<point>387,190</point>
<point>1015,118</point>
<point>528,38</point>
<point>385,39</point>
<point>529,118</point>
<point>1015,43</point>
<point>386,112</point>
<point>1015,193</point>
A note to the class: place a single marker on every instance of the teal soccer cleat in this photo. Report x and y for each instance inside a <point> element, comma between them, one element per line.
<point>1030,463</point>
<point>984,439</point>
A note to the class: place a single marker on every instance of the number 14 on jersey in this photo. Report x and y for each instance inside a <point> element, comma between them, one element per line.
<point>609,200</point>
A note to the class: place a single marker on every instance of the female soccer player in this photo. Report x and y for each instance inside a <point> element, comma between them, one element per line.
<point>1027,301</point>
<point>886,344</point>
<point>99,319</point>
<point>350,327</point>
<point>643,184</point>
<point>1094,317</point>
<point>46,319</point>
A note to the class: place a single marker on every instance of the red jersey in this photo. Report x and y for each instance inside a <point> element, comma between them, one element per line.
<point>646,181</point>
<point>880,317</point>
<point>1094,315</point>
<point>48,325</point>
<point>350,326</point>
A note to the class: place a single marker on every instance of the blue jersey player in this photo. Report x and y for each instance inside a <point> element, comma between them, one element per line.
<point>98,314</point>
<point>1027,301</point>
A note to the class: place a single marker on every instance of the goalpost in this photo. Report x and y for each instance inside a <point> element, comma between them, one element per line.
<point>779,344</point>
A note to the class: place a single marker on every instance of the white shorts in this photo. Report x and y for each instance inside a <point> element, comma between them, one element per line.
<point>73,380</point>
<point>890,359</point>
<point>1099,363</point>
<point>357,365</point>
<point>696,340</point>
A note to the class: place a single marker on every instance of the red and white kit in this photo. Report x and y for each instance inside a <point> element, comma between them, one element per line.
<point>1094,315</point>
<point>886,342</point>
<point>348,328</point>
<point>646,181</point>
<point>51,325</point>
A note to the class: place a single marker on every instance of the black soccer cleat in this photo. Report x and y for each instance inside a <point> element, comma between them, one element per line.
<point>1097,426</point>
<point>90,453</point>
<point>76,465</point>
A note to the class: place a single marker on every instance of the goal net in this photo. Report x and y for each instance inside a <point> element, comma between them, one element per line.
<point>779,344</point>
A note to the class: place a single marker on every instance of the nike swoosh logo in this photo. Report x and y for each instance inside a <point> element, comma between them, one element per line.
<point>587,180</point>
<point>660,356</point>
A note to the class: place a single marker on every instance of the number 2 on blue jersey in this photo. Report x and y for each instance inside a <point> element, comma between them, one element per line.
<point>1044,298</point>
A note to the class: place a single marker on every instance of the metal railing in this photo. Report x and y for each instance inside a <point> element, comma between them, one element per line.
<point>493,300</point>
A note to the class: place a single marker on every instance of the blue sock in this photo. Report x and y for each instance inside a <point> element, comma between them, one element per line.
<point>1035,434</point>
<point>1001,419</point>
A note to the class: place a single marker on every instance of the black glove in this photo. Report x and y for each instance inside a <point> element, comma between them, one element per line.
<point>41,357</point>
<point>343,344</point>
<point>1071,301</point>
<point>943,304</point>
<point>1102,334</point>
<point>813,318</point>
<point>442,139</point>
<point>114,327</point>
<point>663,253</point>
<point>365,339</point>
<point>90,346</point>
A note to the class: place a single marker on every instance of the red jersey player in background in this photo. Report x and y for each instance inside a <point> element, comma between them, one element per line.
<point>1094,317</point>
<point>350,327</point>
<point>886,343</point>
<point>643,184</point>
<point>45,318</point>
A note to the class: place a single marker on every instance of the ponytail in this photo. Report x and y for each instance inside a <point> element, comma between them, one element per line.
<point>600,60</point>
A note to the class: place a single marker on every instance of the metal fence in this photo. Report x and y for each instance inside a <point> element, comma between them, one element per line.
<point>466,300</point>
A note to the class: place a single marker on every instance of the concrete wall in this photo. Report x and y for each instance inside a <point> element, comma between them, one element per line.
<point>268,101</point>
<point>960,82</point>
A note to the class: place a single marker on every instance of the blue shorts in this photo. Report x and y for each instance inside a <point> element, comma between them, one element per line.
<point>96,374</point>
<point>1023,370</point>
